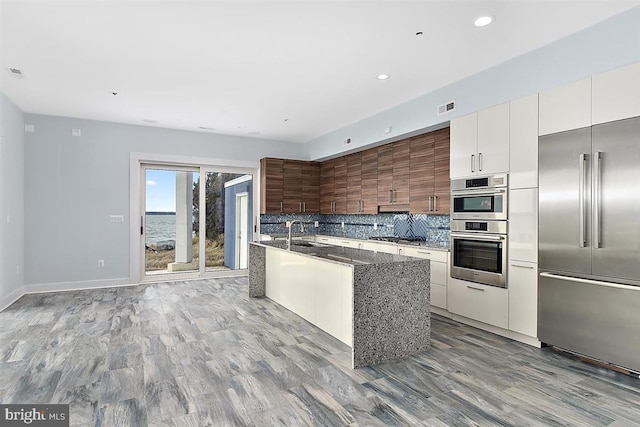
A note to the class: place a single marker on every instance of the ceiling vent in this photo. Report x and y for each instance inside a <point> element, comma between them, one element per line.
<point>16,72</point>
<point>446,108</point>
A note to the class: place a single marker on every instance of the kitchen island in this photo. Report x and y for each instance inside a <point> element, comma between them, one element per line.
<point>377,303</point>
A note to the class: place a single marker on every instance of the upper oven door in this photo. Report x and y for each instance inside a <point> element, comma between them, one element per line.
<point>479,205</point>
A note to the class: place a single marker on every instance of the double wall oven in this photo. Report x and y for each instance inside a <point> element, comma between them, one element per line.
<point>479,229</point>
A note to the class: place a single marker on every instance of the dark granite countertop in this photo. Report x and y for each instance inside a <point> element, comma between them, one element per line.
<point>337,254</point>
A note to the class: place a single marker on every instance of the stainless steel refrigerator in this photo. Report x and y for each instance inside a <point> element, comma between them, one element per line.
<point>589,242</point>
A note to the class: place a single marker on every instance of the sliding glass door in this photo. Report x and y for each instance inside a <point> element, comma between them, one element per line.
<point>181,204</point>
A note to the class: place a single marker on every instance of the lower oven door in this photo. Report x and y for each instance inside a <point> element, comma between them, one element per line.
<point>480,258</point>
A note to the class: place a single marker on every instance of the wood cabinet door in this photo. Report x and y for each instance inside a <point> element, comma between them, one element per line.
<point>340,185</point>
<point>401,156</point>
<point>354,182</point>
<point>385,174</point>
<point>311,187</point>
<point>369,183</point>
<point>421,174</point>
<point>442,183</point>
<point>327,182</point>
<point>271,185</point>
<point>292,186</point>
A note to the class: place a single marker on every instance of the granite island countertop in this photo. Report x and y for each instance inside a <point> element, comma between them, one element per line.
<point>336,254</point>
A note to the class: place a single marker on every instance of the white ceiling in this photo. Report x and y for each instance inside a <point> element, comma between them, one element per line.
<point>243,67</point>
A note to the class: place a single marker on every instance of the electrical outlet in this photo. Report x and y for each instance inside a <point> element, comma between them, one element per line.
<point>316,224</point>
<point>375,225</point>
<point>288,224</point>
<point>342,224</point>
<point>100,263</point>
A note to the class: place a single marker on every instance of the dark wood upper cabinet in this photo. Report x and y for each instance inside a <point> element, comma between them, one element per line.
<point>271,185</point>
<point>354,183</point>
<point>393,176</point>
<point>442,185</point>
<point>327,183</point>
<point>340,185</point>
<point>369,181</point>
<point>408,175</point>
<point>289,186</point>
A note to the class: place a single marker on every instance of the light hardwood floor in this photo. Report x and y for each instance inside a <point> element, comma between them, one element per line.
<point>201,353</point>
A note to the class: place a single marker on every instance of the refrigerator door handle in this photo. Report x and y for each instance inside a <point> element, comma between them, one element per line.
<point>597,211</point>
<point>591,282</point>
<point>581,199</point>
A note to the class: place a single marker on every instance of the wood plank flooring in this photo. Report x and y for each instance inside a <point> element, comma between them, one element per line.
<point>201,353</point>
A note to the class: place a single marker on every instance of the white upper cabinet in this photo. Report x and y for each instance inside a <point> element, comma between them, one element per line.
<point>523,146</point>
<point>493,140</point>
<point>463,146</point>
<point>565,108</point>
<point>480,143</point>
<point>616,94</point>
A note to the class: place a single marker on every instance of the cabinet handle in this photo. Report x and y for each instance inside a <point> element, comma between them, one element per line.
<point>435,203</point>
<point>304,206</point>
<point>475,289</point>
<point>429,210</point>
<point>528,267</point>
<point>361,205</point>
<point>473,162</point>
<point>281,208</point>
<point>395,196</point>
<point>390,196</point>
<point>300,207</point>
<point>424,252</point>
<point>480,161</point>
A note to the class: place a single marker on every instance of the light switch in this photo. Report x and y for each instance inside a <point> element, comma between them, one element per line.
<point>76,132</point>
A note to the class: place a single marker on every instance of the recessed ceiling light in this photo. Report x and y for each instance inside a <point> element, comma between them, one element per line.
<point>382,76</point>
<point>483,21</point>
<point>149,121</point>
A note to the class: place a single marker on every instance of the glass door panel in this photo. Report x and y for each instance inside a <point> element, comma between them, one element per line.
<point>170,232</point>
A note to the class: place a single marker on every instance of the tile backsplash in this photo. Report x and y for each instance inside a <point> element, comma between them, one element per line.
<point>433,229</point>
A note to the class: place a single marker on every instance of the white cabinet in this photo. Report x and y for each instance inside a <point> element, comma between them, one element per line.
<point>616,94</point>
<point>523,297</point>
<point>523,224</point>
<point>480,143</point>
<point>372,245</point>
<point>318,291</point>
<point>487,304</point>
<point>523,142</point>
<point>439,271</point>
<point>566,107</point>
<point>463,146</point>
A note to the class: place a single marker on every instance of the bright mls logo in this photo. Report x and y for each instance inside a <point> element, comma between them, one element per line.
<point>34,415</point>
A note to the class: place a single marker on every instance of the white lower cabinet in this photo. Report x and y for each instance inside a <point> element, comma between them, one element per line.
<point>523,297</point>
<point>439,268</point>
<point>333,296</point>
<point>487,304</point>
<point>374,246</point>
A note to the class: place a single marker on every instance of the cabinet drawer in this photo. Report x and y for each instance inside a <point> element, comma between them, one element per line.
<point>439,296</point>
<point>432,254</point>
<point>486,304</point>
<point>379,247</point>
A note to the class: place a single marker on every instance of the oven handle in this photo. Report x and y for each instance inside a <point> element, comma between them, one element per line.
<point>489,237</point>
<point>473,191</point>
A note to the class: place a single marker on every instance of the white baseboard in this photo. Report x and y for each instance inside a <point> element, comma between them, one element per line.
<point>75,286</point>
<point>61,287</point>
<point>11,298</point>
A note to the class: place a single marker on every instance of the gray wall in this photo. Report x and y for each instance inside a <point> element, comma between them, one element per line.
<point>608,45</point>
<point>230,220</point>
<point>73,184</point>
<point>11,198</point>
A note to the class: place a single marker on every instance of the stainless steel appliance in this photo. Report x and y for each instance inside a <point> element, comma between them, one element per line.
<point>589,242</point>
<point>479,198</point>
<point>479,251</point>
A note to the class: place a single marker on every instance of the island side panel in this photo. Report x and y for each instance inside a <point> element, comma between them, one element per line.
<point>257,262</point>
<point>391,311</point>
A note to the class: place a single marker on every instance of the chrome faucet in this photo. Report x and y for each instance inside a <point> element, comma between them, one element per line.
<point>290,227</point>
